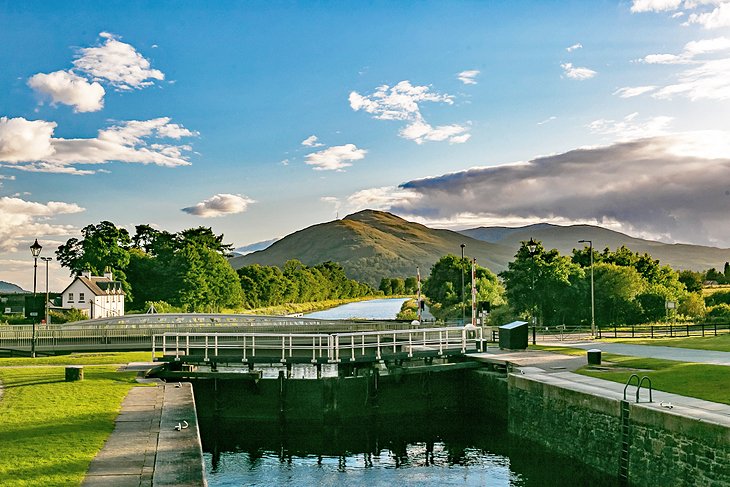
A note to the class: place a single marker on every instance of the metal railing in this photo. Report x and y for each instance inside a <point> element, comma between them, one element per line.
<point>321,347</point>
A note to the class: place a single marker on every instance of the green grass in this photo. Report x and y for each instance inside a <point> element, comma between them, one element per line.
<point>719,343</point>
<point>50,430</point>
<point>708,382</point>
<point>557,349</point>
<point>103,358</point>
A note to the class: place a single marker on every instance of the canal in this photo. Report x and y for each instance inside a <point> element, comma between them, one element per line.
<point>408,450</point>
<point>372,309</point>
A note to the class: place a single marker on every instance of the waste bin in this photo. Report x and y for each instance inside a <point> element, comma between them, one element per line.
<point>513,336</point>
<point>594,357</point>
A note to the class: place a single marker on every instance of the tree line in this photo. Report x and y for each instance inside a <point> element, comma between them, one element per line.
<point>189,271</point>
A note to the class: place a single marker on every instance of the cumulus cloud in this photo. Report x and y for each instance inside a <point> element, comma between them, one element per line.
<point>118,64</point>
<point>311,141</point>
<point>468,77</point>
<point>402,102</point>
<point>574,47</point>
<point>574,72</point>
<point>655,5</point>
<point>220,205</point>
<point>335,158</point>
<point>718,18</point>
<point>22,220</point>
<point>29,145</point>
<point>705,74</point>
<point>631,127</point>
<point>69,89</point>
<point>673,185</point>
<point>334,201</point>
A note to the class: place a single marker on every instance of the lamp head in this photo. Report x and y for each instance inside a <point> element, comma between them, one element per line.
<point>532,245</point>
<point>36,248</point>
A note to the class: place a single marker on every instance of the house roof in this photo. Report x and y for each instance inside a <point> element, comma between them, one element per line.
<point>99,286</point>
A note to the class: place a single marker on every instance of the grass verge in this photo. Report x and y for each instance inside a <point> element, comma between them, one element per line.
<point>102,358</point>
<point>52,429</point>
<point>702,381</point>
<point>557,349</point>
<point>719,343</point>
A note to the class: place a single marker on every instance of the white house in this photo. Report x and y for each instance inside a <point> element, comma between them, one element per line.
<point>97,297</point>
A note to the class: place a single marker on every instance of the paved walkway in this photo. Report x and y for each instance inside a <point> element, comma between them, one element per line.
<point>652,351</point>
<point>128,457</point>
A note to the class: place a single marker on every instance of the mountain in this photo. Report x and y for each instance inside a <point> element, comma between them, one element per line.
<point>372,244</point>
<point>247,249</point>
<point>8,287</point>
<point>565,239</point>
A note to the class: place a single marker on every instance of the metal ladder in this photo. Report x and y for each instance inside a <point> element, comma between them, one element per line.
<point>623,469</point>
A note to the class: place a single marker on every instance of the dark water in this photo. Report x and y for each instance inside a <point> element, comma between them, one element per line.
<point>450,450</point>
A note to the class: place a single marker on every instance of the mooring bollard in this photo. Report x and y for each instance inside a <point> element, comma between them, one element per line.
<point>74,373</point>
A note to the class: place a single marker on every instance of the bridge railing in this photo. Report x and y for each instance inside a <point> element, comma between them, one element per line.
<point>334,347</point>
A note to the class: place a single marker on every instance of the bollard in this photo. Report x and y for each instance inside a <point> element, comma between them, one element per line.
<point>74,373</point>
<point>594,356</point>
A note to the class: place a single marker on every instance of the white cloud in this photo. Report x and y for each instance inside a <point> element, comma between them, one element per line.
<point>717,18</point>
<point>118,64</point>
<point>630,127</point>
<point>30,145</point>
<point>468,77</point>
<point>547,120</point>
<point>220,205</point>
<point>574,47</point>
<point>335,158</point>
<point>673,185</point>
<point>331,200</point>
<point>22,220</point>
<point>655,5</point>
<point>70,89</point>
<point>25,140</point>
<point>705,73</point>
<point>311,141</point>
<point>402,102</point>
<point>580,74</point>
<point>420,131</point>
<point>632,91</point>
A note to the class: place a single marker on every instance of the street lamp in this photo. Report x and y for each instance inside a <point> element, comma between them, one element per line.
<point>47,260</point>
<point>35,250</point>
<point>462,282</point>
<point>593,302</point>
<point>532,247</point>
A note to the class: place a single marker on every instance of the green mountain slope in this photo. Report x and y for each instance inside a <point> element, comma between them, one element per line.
<point>565,239</point>
<point>9,287</point>
<point>372,244</point>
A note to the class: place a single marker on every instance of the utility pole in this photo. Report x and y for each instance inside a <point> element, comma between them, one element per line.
<point>461,262</point>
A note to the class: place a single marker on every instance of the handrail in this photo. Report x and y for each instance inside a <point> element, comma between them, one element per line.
<point>639,384</point>
<point>628,382</point>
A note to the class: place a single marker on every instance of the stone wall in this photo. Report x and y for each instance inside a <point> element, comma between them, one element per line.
<point>665,448</point>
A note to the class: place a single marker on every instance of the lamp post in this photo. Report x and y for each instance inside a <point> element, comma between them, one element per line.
<point>532,247</point>
<point>593,302</point>
<point>462,282</point>
<point>35,250</point>
<point>47,260</point>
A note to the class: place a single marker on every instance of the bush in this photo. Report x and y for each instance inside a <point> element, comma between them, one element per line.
<point>59,317</point>
<point>408,311</point>
<point>720,297</point>
<point>162,307</point>
<point>718,314</point>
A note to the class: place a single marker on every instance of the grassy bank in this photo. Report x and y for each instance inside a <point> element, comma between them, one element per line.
<point>708,382</point>
<point>720,343</point>
<point>51,429</point>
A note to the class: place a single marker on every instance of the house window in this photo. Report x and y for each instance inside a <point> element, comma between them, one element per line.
<point>81,297</point>
<point>70,297</point>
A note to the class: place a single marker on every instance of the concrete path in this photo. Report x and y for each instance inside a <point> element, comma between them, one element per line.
<point>651,351</point>
<point>128,457</point>
<point>670,403</point>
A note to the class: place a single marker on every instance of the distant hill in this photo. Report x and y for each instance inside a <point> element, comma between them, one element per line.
<point>565,239</point>
<point>373,244</point>
<point>247,249</point>
<point>8,287</point>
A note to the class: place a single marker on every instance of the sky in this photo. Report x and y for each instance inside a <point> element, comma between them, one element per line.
<point>259,118</point>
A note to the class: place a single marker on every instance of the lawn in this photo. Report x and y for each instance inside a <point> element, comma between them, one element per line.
<point>102,358</point>
<point>719,343</point>
<point>708,382</point>
<point>50,430</point>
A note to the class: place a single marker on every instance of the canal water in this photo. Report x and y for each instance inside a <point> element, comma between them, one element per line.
<point>426,451</point>
<point>372,309</point>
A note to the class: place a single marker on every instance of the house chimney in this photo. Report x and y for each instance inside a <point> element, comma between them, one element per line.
<point>86,273</point>
<point>108,273</point>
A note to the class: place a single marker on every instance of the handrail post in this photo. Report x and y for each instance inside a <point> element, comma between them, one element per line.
<point>153,348</point>
<point>628,382</point>
<point>206,348</point>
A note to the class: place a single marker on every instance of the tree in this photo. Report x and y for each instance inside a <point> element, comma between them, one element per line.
<point>443,287</point>
<point>692,280</point>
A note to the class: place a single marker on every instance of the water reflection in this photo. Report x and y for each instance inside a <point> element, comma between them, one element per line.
<point>425,451</point>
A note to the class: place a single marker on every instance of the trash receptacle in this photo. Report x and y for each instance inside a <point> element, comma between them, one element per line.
<point>594,357</point>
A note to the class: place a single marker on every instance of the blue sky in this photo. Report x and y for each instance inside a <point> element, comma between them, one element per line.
<point>262,118</point>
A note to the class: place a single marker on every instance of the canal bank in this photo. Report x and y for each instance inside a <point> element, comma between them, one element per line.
<point>155,442</point>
